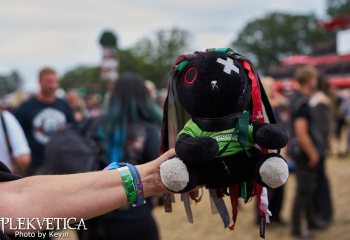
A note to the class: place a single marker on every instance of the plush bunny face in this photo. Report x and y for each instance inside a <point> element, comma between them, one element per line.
<point>213,85</point>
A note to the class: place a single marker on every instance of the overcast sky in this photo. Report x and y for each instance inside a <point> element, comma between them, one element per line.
<point>64,34</point>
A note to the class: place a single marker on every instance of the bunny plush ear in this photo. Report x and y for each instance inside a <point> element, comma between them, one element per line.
<point>261,109</point>
<point>174,119</point>
<point>174,115</point>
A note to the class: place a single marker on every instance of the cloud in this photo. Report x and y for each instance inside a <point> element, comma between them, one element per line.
<point>65,33</point>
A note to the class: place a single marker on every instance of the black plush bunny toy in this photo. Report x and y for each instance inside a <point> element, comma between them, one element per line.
<point>223,142</point>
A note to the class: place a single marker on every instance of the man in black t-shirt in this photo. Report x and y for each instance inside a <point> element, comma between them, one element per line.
<point>42,116</point>
<point>307,158</point>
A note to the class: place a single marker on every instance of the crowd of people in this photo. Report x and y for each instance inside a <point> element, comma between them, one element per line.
<point>127,128</point>
<point>315,115</point>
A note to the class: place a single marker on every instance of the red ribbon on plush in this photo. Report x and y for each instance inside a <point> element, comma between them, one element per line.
<point>234,195</point>
<point>257,115</point>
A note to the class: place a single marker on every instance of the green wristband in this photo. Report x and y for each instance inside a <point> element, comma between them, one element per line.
<point>128,184</point>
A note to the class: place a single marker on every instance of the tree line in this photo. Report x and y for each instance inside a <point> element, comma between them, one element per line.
<point>264,40</point>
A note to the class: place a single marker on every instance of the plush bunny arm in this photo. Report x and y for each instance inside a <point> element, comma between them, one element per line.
<point>196,151</point>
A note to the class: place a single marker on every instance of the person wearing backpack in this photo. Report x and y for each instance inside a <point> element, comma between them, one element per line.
<point>75,149</point>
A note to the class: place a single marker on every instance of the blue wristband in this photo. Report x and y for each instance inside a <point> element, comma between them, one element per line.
<point>111,166</point>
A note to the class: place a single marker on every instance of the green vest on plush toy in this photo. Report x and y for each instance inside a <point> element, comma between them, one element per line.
<point>229,140</point>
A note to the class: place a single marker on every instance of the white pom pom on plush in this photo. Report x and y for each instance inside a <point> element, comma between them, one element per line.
<point>274,172</point>
<point>174,174</point>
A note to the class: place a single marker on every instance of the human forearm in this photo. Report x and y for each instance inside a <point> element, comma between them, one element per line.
<point>78,195</point>
<point>84,195</point>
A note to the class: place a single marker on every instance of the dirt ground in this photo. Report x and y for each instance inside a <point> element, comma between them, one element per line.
<point>206,226</point>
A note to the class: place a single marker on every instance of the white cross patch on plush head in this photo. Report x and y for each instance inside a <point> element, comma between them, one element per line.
<point>228,65</point>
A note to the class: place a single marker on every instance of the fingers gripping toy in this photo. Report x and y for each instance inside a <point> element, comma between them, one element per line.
<point>219,120</point>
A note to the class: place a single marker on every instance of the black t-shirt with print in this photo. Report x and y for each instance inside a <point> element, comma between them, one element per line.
<point>40,121</point>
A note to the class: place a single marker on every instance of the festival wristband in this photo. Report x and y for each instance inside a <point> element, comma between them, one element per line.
<point>128,184</point>
<point>111,166</point>
<point>137,183</point>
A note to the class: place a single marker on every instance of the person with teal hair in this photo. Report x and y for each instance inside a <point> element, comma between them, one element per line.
<point>130,105</point>
<point>130,133</point>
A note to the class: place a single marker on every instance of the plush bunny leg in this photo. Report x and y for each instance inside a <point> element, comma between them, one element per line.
<point>272,171</point>
<point>177,177</point>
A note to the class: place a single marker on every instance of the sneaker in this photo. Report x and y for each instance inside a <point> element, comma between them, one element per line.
<point>303,235</point>
<point>318,224</point>
<point>277,223</point>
